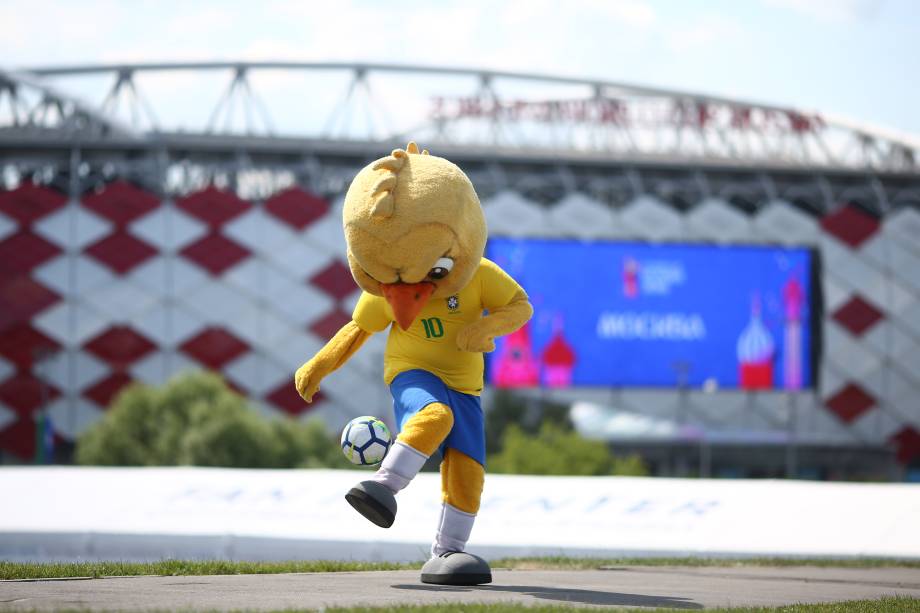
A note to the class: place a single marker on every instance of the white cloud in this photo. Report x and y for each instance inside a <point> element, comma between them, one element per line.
<point>705,32</point>
<point>633,13</point>
<point>831,10</point>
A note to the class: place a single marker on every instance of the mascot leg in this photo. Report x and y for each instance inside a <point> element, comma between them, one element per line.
<point>462,478</point>
<point>421,435</point>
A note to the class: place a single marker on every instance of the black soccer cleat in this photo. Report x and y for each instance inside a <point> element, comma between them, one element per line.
<point>374,501</point>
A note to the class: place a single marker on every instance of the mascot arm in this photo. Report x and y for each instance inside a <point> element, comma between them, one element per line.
<point>333,355</point>
<point>479,336</point>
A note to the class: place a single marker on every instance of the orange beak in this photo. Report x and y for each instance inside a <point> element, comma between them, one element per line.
<point>407,300</point>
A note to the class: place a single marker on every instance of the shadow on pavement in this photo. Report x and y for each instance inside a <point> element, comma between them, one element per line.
<point>567,595</point>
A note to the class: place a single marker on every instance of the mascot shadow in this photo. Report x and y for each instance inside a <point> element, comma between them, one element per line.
<point>591,597</point>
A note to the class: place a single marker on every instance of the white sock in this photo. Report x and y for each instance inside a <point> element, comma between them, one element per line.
<point>453,530</point>
<point>399,467</point>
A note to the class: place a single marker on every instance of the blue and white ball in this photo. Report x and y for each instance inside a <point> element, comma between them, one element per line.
<point>366,440</point>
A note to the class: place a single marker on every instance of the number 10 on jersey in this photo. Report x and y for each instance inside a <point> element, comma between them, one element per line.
<point>433,327</point>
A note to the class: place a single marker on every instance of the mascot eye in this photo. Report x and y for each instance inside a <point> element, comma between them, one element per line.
<point>441,268</point>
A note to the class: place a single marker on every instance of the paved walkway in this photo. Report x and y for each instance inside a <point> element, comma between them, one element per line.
<point>677,587</point>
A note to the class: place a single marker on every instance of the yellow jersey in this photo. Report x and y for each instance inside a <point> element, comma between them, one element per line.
<point>430,343</point>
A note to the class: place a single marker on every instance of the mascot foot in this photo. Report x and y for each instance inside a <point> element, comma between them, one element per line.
<point>456,568</point>
<point>374,501</point>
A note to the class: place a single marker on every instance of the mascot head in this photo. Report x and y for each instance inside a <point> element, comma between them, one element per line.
<point>414,229</point>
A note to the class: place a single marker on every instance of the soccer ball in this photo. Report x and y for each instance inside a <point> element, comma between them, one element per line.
<point>365,440</point>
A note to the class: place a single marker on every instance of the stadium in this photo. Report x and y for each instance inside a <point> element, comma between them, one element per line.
<point>134,249</point>
<point>718,380</point>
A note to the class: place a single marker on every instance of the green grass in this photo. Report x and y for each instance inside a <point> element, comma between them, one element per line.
<point>19,570</point>
<point>898,604</point>
<point>26,570</point>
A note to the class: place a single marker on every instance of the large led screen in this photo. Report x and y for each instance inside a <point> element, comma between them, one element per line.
<point>641,315</point>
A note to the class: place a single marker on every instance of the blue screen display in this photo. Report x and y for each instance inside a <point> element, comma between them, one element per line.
<point>637,314</point>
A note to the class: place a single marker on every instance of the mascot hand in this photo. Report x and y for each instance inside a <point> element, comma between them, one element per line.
<point>476,337</point>
<point>307,379</point>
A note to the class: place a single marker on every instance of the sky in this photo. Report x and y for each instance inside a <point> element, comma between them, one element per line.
<point>853,58</point>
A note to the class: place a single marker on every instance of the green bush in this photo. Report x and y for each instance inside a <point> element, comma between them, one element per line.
<point>197,420</point>
<point>556,451</point>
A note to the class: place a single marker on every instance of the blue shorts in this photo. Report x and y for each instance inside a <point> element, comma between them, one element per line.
<point>413,390</point>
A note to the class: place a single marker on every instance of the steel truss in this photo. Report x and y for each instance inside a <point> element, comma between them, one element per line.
<point>258,169</point>
<point>512,114</point>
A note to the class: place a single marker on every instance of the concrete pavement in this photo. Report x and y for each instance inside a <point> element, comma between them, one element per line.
<point>677,587</point>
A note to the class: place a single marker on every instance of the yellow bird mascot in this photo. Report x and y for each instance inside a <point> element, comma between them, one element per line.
<point>415,234</point>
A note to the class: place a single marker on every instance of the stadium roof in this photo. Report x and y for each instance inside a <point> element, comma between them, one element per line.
<point>248,104</point>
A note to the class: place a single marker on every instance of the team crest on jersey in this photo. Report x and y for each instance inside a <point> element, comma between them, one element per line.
<point>453,303</point>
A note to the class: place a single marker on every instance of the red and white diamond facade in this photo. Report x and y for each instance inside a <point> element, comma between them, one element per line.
<point>122,286</point>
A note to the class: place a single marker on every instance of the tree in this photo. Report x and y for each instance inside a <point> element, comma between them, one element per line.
<point>197,420</point>
<point>555,451</point>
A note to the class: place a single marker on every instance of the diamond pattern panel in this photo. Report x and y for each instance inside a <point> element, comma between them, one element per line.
<point>105,391</point>
<point>168,324</point>
<point>213,206</point>
<point>167,275</point>
<point>327,326</point>
<point>297,303</point>
<point>907,444</point>
<point>258,231</point>
<point>120,346</point>
<point>214,347</point>
<point>121,251</point>
<point>296,207</point>
<point>23,251</point>
<point>286,398</point>
<point>29,202</point>
<point>19,439</point>
<point>169,229</point>
<point>71,418</point>
<point>21,298</point>
<point>301,259</point>
<point>281,306</point>
<point>70,323</point>
<point>258,326</point>
<point>335,280</point>
<point>857,315</point>
<point>326,235</point>
<point>120,302</point>
<point>850,402</point>
<point>121,202</point>
<point>73,227</point>
<point>160,366</point>
<point>85,273</point>
<point>24,393</point>
<point>20,343</point>
<point>215,302</point>
<point>87,369</point>
<point>257,374</point>
<point>850,225</point>
<point>215,253</point>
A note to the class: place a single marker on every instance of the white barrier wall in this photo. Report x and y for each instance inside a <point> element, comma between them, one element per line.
<point>69,513</point>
